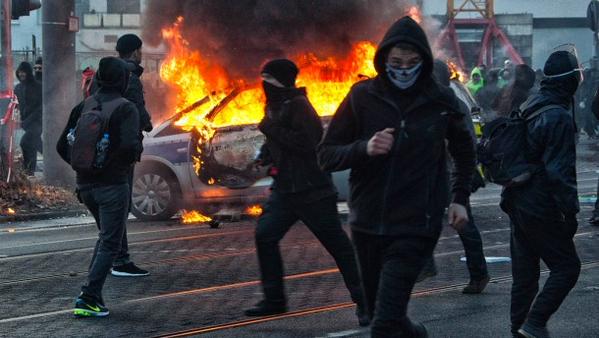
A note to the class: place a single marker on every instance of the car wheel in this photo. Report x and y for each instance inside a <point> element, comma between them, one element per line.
<point>155,195</point>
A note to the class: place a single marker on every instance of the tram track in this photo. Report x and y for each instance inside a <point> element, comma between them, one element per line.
<point>334,307</point>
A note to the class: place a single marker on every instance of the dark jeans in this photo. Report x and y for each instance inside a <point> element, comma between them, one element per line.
<point>31,144</point>
<point>473,248</point>
<point>389,267</point>
<point>552,241</point>
<point>321,217</point>
<point>123,256</point>
<point>109,205</point>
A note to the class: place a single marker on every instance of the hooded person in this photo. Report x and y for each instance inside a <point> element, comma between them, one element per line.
<point>487,95</point>
<point>477,82</point>
<point>391,132</point>
<point>300,190</point>
<point>106,193</point>
<point>38,68</point>
<point>29,95</point>
<point>512,96</point>
<point>543,211</point>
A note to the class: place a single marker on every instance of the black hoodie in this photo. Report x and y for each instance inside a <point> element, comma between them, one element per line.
<point>123,127</point>
<point>404,192</point>
<point>29,94</point>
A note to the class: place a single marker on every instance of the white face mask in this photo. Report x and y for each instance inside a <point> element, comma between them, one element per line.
<point>404,78</point>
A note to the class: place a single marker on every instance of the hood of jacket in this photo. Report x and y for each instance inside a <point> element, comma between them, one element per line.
<point>408,31</point>
<point>28,69</point>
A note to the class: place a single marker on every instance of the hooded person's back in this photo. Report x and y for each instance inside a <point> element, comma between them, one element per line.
<point>29,94</point>
<point>113,78</point>
<point>514,95</point>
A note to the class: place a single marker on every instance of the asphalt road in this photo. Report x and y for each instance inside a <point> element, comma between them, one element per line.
<point>202,279</point>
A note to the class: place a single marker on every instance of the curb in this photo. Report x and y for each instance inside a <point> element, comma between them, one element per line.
<point>42,215</point>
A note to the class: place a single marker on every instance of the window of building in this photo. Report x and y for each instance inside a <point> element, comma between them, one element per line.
<point>124,6</point>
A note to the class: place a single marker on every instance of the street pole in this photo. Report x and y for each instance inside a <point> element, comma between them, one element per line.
<point>6,89</point>
<point>59,85</point>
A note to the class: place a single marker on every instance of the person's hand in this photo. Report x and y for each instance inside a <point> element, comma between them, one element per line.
<point>381,143</point>
<point>457,216</point>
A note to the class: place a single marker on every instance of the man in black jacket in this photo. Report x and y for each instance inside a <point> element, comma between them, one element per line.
<point>129,48</point>
<point>301,190</point>
<point>391,131</point>
<point>106,195</point>
<point>29,94</point>
<point>543,211</point>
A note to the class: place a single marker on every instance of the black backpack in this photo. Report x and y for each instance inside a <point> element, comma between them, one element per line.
<point>88,132</point>
<point>503,149</point>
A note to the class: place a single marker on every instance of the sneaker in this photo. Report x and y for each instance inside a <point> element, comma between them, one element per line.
<point>476,286</point>
<point>530,331</point>
<point>428,271</point>
<point>362,314</point>
<point>266,308</point>
<point>128,270</point>
<point>87,307</point>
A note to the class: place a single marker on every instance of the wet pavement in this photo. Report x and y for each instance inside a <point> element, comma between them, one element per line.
<point>202,279</point>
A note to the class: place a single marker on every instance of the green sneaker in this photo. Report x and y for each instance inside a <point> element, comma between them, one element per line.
<point>86,307</point>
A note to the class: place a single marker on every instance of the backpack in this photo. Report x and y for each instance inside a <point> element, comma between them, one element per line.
<point>89,139</point>
<point>503,149</point>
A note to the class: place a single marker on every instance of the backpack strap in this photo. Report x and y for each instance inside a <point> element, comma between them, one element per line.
<point>109,107</point>
<point>541,111</point>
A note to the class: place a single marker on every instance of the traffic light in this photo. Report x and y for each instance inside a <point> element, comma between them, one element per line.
<point>23,7</point>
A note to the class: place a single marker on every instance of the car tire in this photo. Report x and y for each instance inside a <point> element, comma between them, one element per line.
<point>155,195</point>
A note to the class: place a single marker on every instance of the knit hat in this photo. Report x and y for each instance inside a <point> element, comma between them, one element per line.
<point>128,43</point>
<point>113,73</point>
<point>560,63</point>
<point>285,71</point>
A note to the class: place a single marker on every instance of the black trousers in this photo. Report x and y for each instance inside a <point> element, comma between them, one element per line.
<point>109,205</point>
<point>31,144</point>
<point>123,257</point>
<point>321,217</point>
<point>389,266</point>
<point>534,239</point>
<point>473,248</point>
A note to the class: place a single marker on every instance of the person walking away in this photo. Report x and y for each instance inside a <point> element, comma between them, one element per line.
<point>543,210</point>
<point>105,190</point>
<point>391,131</point>
<point>486,96</point>
<point>29,95</point>
<point>129,48</point>
<point>476,82</point>
<point>300,191</point>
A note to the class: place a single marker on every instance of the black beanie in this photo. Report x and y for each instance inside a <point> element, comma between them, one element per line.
<point>128,43</point>
<point>285,71</point>
<point>560,62</point>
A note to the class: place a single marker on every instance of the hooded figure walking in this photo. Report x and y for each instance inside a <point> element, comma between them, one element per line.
<point>29,94</point>
<point>391,131</point>
<point>543,211</point>
<point>301,190</point>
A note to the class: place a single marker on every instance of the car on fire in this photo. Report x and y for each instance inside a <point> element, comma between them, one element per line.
<point>166,179</point>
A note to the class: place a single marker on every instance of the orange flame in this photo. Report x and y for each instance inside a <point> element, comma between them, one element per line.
<point>11,211</point>
<point>415,13</point>
<point>211,181</point>
<point>189,217</point>
<point>193,78</point>
<point>456,72</point>
<point>254,210</point>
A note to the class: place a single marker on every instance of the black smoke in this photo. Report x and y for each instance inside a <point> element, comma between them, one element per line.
<point>242,34</point>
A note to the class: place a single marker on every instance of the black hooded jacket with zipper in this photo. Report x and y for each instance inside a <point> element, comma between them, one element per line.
<point>404,192</point>
<point>29,94</point>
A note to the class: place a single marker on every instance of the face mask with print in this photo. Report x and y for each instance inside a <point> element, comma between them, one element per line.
<point>404,78</point>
